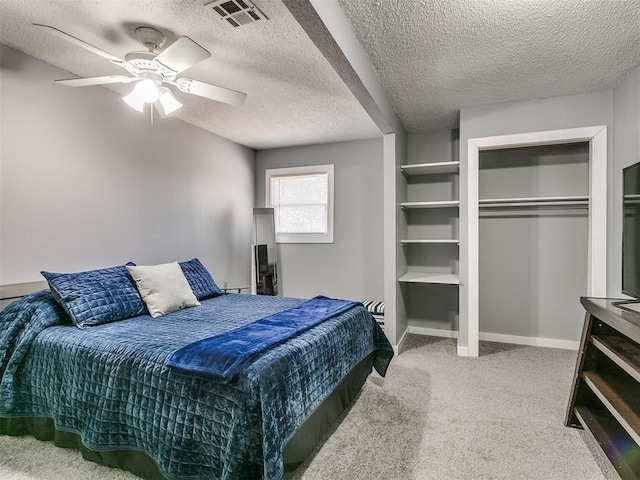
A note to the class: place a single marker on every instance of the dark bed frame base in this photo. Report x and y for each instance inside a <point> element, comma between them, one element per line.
<point>312,431</point>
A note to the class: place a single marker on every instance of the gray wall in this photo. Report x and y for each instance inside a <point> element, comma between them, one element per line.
<point>626,151</point>
<point>531,116</point>
<point>87,182</point>
<point>352,266</point>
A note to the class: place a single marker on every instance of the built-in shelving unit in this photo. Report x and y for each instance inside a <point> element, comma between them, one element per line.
<point>605,395</point>
<point>450,168</point>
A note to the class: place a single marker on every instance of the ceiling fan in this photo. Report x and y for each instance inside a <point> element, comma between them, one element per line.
<point>151,70</point>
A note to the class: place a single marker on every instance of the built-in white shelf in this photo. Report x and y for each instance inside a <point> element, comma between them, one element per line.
<point>430,168</point>
<point>563,201</point>
<point>425,277</point>
<point>448,241</point>
<point>437,204</point>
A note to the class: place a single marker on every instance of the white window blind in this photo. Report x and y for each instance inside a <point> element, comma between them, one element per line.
<point>302,199</point>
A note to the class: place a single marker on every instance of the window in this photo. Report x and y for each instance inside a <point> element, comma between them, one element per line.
<point>302,199</point>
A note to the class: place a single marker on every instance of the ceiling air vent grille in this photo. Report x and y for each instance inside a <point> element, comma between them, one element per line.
<point>237,12</point>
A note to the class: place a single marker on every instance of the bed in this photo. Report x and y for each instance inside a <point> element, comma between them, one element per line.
<point>109,389</point>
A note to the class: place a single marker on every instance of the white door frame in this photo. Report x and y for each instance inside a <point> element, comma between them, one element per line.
<point>597,241</point>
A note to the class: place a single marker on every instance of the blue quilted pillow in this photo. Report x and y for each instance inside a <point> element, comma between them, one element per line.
<point>200,280</point>
<point>97,296</point>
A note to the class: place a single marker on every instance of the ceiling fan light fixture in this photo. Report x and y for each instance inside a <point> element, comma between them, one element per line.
<point>134,101</point>
<point>147,90</point>
<point>168,102</point>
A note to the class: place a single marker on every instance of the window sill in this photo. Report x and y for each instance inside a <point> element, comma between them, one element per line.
<point>304,238</point>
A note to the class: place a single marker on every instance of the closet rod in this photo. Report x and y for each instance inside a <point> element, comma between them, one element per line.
<point>536,205</point>
<point>581,198</point>
<point>564,202</point>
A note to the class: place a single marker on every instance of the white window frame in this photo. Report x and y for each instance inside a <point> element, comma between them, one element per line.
<point>295,171</point>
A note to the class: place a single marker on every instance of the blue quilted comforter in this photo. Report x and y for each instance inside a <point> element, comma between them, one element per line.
<point>111,383</point>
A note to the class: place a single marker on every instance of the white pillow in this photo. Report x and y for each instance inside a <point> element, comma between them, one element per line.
<point>163,288</point>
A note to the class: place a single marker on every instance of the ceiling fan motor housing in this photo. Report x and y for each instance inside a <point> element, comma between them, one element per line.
<point>154,77</point>
<point>150,37</point>
<point>139,62</point>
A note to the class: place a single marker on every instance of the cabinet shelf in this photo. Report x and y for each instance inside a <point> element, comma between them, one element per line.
<point>435,168</point>
<point>437,204</point>
<point>607,435</point>
<point>453,241</point>
<point>425,277</point>
<point>605,392</point>
<point>624,353</point>
<point>619,398</point>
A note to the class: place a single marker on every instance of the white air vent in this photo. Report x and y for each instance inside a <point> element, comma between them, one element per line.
<point>237,12</point>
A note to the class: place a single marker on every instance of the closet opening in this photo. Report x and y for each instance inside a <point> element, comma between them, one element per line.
<point>471,205</point>
<point>533,241</point>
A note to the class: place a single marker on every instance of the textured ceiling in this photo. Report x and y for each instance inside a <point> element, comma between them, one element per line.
<point>294,95</point>
<point>434,57</point>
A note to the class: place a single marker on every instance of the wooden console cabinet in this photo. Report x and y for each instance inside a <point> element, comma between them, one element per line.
<point>605,395</point>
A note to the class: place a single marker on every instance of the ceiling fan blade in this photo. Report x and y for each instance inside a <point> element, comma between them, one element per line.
<point>78,42</point>
<point>87,82</point>
<point>220,94</point>
<point>182,54</point>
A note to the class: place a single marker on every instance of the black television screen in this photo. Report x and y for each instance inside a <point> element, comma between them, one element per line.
<point>631,231</point>
<point>262,259</point>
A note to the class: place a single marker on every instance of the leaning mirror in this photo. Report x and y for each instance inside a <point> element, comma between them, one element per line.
<point>264,253</point>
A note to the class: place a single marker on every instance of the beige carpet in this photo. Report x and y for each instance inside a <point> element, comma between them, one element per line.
<point>435,416</point>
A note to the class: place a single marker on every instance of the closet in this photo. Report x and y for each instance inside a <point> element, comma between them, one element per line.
<point>533,238</point>
<point>548,194</point>
<point>504,239</point>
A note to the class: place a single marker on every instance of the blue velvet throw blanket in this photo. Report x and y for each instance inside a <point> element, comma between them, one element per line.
<point>225,355</point>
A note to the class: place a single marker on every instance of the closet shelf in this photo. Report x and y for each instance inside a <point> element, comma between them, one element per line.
<point>540,202</point>
<point>430,168</point>
<point>453,241</point>
<point>424,277</point>
<point>437,204</point>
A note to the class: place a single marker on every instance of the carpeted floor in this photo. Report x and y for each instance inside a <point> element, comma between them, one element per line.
<point>436,416</point>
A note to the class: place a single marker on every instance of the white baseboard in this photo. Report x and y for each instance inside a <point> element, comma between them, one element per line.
<point>463,351</point>
<point>432,332</point>
<point>497,337</point>
<point>530,341</point>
